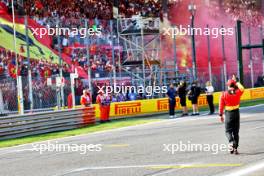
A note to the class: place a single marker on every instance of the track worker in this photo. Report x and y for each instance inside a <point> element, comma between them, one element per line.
<point>230,101</point>
<point>86,98</point>
<point>104,101</point>
<point>171,93</point>
<point>85,101</point>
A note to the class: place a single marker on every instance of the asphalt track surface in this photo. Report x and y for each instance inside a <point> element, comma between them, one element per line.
<point>141,151</point>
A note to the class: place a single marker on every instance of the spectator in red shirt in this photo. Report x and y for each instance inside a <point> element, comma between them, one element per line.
<point>86,98</point>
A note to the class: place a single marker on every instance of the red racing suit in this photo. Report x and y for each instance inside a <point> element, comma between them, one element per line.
<point>231,102</point>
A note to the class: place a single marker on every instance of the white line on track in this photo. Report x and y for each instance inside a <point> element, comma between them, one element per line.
<point>120,167</point>
<point>256,128</point>
<point>246,171</point>
<point>166,172</point>
<point>158,167</point>
<point>112,167</point>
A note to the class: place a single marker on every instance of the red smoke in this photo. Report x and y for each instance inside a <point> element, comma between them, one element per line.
<point>179,15</point>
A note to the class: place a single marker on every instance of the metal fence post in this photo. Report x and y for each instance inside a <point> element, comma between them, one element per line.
<point>21,100</point>
<point>239,52</point>
<point>19,88</point>
<point>261,36</point>
<point>1,103</point>
<point>72,77</point>
<point>194,67</point>
<point>250,59</point>
<point>88,57</point>
<point>223,79</point>
<point>60,63</point>
<point>175,55</point>
<point>209,57</point>
<point>224,58</point>
<point>113,52</point>
<point>29,68</point>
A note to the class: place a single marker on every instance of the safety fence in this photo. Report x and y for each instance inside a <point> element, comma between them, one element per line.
<point>40,123</point>
<point>44,94</point>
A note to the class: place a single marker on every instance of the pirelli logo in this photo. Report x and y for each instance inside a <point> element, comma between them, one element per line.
<point>257,93</point>
<point>128,108</point>
<point>202,101</point>
<point>163,105</point>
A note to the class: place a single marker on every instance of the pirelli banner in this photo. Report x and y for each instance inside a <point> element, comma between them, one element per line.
<point>149,106</point>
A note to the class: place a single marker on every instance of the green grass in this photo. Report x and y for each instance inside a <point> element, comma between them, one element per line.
<point>100,127</point>
<point>252,102</point>
<point>89,129</point>
<point>243,104</point>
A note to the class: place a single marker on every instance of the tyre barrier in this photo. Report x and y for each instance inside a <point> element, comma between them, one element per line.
<point>40,123</point>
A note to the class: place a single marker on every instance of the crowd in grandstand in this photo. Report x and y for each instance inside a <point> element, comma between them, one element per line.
<point>43,95</point>
<point>72,14</point>
<point>150,8</point>
<point>40,68</point>
<point>69,9</point>
<point>100,62</point>
<point>91,9</point>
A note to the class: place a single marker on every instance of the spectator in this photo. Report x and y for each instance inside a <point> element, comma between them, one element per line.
<point>182,91</point>
<point>193,96</point>
<point>209,90</point>
<point>120,97</point>
<point>171,93</point>
<point>132,95</point>
<point>86,98</point>
<point>114,98</point>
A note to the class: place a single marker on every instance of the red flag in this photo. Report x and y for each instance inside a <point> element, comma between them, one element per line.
<point>12,70</point>
<point>45,73</point>
<point>38,5</point>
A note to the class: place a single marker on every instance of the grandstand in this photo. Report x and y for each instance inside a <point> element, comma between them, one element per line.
<point>101,56</point>
<point>131,49</point>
